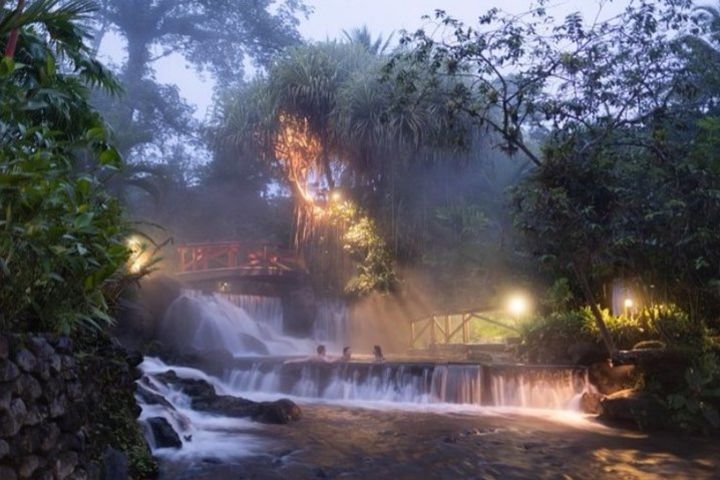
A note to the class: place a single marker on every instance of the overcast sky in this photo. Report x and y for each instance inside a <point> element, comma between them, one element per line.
<point>382,17</point>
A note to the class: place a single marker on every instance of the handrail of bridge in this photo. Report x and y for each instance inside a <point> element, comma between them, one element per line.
<point>442,333</point>
<point>203,256</point>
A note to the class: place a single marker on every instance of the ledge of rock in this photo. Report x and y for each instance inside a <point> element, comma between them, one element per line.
<point>204,398</point>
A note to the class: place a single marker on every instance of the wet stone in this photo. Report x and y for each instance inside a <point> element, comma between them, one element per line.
<point>25,360</point>
<point>4,449</point>
<point>64,345</point>
<point>163,433</point>
<point>36,414</point>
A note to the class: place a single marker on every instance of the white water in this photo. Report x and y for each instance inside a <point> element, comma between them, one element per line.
<point>246,325</point>
<point>202,435</point>
<point>439,384</point>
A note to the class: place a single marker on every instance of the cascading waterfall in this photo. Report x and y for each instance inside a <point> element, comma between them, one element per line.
<point>203,323</point>
<point>551,388</point>
<point>267,310</point>
<point>247,326</point>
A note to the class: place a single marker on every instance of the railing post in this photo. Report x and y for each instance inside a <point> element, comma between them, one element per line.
<point>412,335</point>
<point>433,339</point>
<point>447,329</point>
<point>466,328</point>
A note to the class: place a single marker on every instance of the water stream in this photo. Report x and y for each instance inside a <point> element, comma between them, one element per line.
<point>250,329</point>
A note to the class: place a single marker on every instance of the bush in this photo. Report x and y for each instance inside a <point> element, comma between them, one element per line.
<point>61,235</point>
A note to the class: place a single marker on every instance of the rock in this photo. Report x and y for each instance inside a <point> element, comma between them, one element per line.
<point>4,450</point>
<point>70,441</point>
<point>58,406</point>
<point>40,347</point>
<point>36,414</point>
<point>8,371</point>
<point>64,345</point>
<point>5,396</point>
<point>72,420</point>
<point>610,379</point>
<point>152,398</point>
<point>204,398</point>
<point>7,473</point>
<point>280,412</point>
<point>4,348</point>
<point>28,440</point>
<point>451,438</point>
<point>55,363</point>
<point>27,388</point>
<point>12,420</point>
<point>165,436</point>
<point>28,465</point>
<point>590,402</point>
<point>25,360</point>
<point>641,408</point>
<point>65,464</point>
<point>51,433</point>
<point>114,465</point>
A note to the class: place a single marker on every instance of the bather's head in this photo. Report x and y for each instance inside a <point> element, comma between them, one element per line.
<point>321,350</point>
<point>347,353</point>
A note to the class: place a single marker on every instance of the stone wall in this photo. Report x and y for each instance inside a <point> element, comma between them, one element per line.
<point>50,404</point>
<point>41,414</point>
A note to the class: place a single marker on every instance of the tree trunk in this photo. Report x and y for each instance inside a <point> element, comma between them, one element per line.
<point>12,41</point>
<point>597,314</point>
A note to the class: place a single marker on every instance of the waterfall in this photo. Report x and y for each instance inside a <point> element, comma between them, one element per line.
<point>331,322</point>
<point>268,310</point>
<point>547,388</point>
<point>204,323</point>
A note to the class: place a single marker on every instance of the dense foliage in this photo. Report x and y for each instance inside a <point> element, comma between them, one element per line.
<point>61,235</point>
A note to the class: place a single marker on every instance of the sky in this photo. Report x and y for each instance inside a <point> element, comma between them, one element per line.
<point>382,17</point>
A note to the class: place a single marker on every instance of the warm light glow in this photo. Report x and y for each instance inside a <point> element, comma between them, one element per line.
<point>136,261</point>
<point>518,304</point>
<point>629,303</point>
<point>336,196</point>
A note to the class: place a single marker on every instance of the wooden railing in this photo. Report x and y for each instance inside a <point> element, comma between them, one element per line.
<point>195,257</point>
<point>441,330</point>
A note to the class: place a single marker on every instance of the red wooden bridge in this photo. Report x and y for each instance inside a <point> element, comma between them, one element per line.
<point>225,261</point>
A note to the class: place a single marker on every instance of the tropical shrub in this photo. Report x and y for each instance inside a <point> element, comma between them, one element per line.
<point>61,235</point>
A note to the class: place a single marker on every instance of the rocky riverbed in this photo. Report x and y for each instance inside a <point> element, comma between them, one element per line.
<point>366,443</point>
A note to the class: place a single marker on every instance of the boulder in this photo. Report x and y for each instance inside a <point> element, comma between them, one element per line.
<point>640,408</point>
<point>204,398</point>
<point>280,412</point>
<point>591,402</point>
<point>165,436</point>
<point>610,379</point>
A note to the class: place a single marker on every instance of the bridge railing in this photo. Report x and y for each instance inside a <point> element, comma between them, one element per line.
<point>450,328</point>
<point>194,257</point>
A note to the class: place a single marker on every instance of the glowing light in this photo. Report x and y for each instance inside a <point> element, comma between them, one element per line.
<point>629,303</point>
<point>518,304</point>
<point>336,196</point>
<point>136,262</point>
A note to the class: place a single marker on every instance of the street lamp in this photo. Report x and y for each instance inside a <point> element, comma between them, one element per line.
<point>518,305</point>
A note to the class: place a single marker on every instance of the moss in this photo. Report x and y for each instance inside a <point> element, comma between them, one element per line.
<point>108,374</point>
